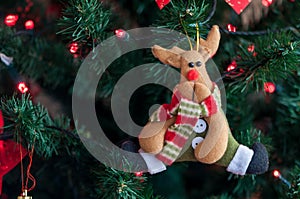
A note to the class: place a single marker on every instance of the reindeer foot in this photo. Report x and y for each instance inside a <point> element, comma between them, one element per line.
<point>260,160</point>
<point>249,161</point>
<point>154,165</point>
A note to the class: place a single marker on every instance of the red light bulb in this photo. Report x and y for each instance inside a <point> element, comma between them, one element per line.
<point>22,87</point>
<point>11,20</point>
<point>231,28</point>
<point>29,25</point>
<point>138,174</point>
<point>251,48</point>
<point>269,87</point>
<point>276,174</point>
<point>267,3</point>
<point>74,47</point>
<point>120,33</point>
<point>231,66</point>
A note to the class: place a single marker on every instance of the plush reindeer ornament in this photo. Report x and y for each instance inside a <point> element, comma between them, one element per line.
<point>193,127</point>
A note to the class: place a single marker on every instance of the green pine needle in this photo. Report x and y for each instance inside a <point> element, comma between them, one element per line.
<point>276,58</point>
<point>116,184</point>
<point>294,191</point>
<point>183,17</point>
<point>33,126</point>
<point>85,20</point>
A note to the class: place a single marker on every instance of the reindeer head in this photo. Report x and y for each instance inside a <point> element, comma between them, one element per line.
<point>192,62</point>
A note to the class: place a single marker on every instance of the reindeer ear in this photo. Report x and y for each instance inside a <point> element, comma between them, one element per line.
<point>171,57</point>
<point>212,41</point>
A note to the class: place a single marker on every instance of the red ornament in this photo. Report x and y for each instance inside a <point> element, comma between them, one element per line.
<point>22,87</point>
<point>267,3</point>
<point>276,174</point>
<point>231,28</point>
<point>10,154</point>
<point>11,20</point>
<point>238,5</point>
<point>29,25</point>
<point>231,66</point>
<point>138,174</point>
<point>269,87</point>
<point>120,33</point>
<point>74,47</point>
<point>162,3</point>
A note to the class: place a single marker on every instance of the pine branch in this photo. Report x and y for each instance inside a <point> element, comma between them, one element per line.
<point>85,21</point>
<point>294,191</point>
<point>31,123</point>
<point>288,102</point>
<point>38,58</point>
<point>118,184</point>
<point>183,16</point>
<point>276,58</point>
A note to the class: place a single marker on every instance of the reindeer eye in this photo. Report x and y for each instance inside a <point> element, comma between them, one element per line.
<point>198,63</point>
<point>191,64</point>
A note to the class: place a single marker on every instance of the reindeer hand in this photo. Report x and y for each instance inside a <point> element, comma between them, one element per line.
<point>196,92</point>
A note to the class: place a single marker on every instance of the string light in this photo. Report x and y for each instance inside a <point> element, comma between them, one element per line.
<point>231,66</point>
<point>267,3</point>
<point>29,25</point>
<point>231,28</point>
<point>22,87</point>
<point>122,34</point>
<point>251,48</point>
<point>138,174</point>
<point>11,20</point>
<point>74,47</point>
<point>277,174</point>
<point>269,87</point>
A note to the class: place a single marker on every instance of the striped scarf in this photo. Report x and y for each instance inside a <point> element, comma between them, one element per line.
<point>188,113</point>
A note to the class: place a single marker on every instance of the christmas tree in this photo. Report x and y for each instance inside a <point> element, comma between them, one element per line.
<point>47,151</point>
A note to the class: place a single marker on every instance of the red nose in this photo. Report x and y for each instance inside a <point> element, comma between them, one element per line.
<point>192,75</point>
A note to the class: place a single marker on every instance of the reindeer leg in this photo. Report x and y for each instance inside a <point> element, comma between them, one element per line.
<point>151,138</point>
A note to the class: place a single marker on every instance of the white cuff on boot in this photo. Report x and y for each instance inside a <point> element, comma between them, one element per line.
<point>154,165</point>
<point>241,160</point>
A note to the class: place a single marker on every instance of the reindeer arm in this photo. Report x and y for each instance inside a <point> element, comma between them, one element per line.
<point>196,92</point>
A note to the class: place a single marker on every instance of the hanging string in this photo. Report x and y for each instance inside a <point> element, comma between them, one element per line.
<point>29,176</point>
<point>198,36</point>
<point>22,171</point>
<point>190,43</point>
